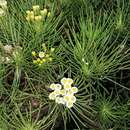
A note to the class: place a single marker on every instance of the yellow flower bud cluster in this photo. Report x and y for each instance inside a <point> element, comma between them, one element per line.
<point>36,14</point>
<point>42,56</point>
<point>64,93</point>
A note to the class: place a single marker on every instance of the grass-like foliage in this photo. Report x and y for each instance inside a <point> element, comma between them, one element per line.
<point>93,51</point>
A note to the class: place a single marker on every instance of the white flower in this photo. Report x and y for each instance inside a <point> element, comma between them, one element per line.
<point>70,101</point>
<point>3,4</point>
<point>52,86</point>
<point>52,96</point>
<point>2,12</point>
<point>8,48</point>
<point>57,92</point>
<point>7,59</point>
<point>70,98</point>
<point>60,100</point>
<point>73,99</point>
<point>41,54</point>
<point>67,81</point>
<point>58,87</point>
<point>66,98</point>
<point>55,86</point>
<point>63,92</point>
<point>64,95</point>
<point>67,87</point>
<point>74,90</point>
<point>69,104</point>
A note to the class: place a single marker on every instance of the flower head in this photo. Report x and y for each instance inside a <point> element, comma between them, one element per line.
<point>67,87</point>
<point>67,98</point>
<point>36,14</point>
<point>66,81</point>
<point>52,96</point>
<point>70,98</point>
<point>41,54</point>
<point>69,104</point>
<point>64,92</point>
<point>52,86</point>
<point>74,90</point>
<point>60,100</point>
<point>58,87</point>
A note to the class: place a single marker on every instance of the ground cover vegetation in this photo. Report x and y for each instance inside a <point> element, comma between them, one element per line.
<point>64,64</point>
